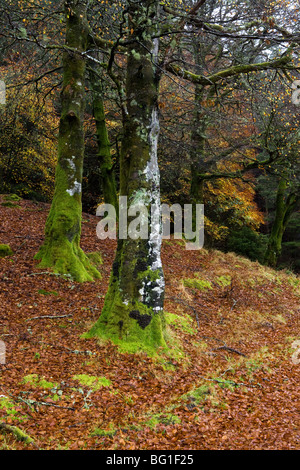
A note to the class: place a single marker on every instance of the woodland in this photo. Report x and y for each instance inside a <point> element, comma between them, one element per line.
<point>142,343</point>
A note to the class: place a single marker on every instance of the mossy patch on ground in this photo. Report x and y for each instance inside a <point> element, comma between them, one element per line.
<point>108,432</point>
<point>182,322</point>
<point>11,409</point>
<point>9,204</point>
<point>91,381</point>
<point>11,197</point>
<point>10,200</point>
<point>197,283</point>
<point>38,382</point>
<point>5,250</point>
<point>224,281</point>
<point>198,395</point>
<point>162,418</point>
<point>95,257</point>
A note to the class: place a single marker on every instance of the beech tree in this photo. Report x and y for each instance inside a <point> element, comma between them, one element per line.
<point>104,146</point>
<point>147,35</point>
<point>286,203</point>
<point>279,121</point>
<point>133,309</point>
<point>218,64</point>
<point>61,249</point>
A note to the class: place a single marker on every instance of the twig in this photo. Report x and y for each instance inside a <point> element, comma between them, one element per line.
<point>227,348</point>
<point>43,403</point>
<point>230,381</point>
<point>49,316</point>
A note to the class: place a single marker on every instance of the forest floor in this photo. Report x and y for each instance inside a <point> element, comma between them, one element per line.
<point>230,381</point>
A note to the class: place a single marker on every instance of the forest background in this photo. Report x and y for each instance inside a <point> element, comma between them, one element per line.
<point>230,142</point>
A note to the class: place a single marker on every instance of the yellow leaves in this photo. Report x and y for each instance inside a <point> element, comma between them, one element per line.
<point>215,231</point>
<point>208,103</point>
<point>236,198</point>
<point>32,159</point>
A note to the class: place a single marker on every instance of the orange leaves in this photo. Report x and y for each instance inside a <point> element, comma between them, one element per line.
<point>145,408</point>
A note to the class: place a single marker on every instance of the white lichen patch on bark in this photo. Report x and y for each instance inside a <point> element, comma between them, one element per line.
<point>72,163</point>
<point>76,189</point>
<point>76,186</point>
<point>153,176</point>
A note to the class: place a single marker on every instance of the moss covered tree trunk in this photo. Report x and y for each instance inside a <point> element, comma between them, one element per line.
<point>197,154</point>
<point>283,211</point>
<point>61,248</point>
<point>198,158</point>
<point>133,309</point>
<point>104,147</point>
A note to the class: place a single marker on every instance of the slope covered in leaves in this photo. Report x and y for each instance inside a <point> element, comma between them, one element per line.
<point>229,381</point>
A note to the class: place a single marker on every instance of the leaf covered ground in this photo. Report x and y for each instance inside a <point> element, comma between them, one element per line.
<point>229,381</point>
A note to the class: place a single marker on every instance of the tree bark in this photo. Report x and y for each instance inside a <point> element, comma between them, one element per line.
<point>197,154</point>
<point>283,211</point>
<point>133,309</point>
<point>61,248</point>
<point>104,147</point>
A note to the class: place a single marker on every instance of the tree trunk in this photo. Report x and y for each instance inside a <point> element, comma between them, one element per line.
<point>283,211</point>
<point>133,309</point>
<point>104,148</point>
<point>61,248</point>
<point>198,152</point>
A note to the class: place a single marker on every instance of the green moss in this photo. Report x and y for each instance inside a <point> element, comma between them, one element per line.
<point>182,322</point>
<point>5,250</point>
<point>38,382</point>
<point>11,197</point>
<point>224,281</point>
<point>69,260</point>
<point>109,431</point>
<point>18,433</point>
<point>95,257</point>
<point>61,249</point>
<point>132,326</point>
<point>9,407</point>
<point>197,395</point>
<point>94,383</point>
<point>9,204</point>
<point>197,283</point>
<point>162,418</point>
